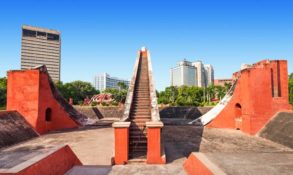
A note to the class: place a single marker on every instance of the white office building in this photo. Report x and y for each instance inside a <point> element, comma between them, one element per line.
<point>201,77</point>
<point>184,74</point>
<point>192,74</point>
<point>209,72</point>
<point>104,81</point>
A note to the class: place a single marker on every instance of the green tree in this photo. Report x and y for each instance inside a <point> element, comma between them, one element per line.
<point>77,90</point>
<point>227,86</point>
<point>220,91</point>
<point>116,94</point>
<point>291,88</point>
<point>171,93</point>
<point>122,85</point>
<point>291,76</point>
<point>119,95</point>
<point>3,89</point>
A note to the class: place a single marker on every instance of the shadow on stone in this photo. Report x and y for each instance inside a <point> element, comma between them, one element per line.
<point>97,112</point>
<point>181,140</point>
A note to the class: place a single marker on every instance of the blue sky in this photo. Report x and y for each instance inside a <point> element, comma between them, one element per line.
<point>104,36</point>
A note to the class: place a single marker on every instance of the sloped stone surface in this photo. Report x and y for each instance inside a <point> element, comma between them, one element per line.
<point>14,129</point>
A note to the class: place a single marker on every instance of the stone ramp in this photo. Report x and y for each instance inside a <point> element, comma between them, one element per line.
<point>240,163</point>
<point>89,170</point>
<point>280,129</point>
<point>227,151</point>
<point>253,163</point>
<point>36,159</point>
<point>14,129</point>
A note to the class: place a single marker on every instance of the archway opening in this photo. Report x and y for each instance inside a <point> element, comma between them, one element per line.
<point>238,116</point>
<point>48,115</point>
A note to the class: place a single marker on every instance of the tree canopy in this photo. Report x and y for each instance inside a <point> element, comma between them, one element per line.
<point>3,89</point>
<point>119,95</point>
<point>77,90</point>
<point>291,88</point>
<point>191,96</point>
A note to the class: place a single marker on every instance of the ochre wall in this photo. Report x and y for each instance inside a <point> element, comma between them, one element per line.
<point>254,92</point>
<point>29,93</point>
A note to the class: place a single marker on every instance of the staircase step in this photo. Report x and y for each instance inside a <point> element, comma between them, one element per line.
<point>135,101</point>
<point>138,146</point>
<point>140,113</point>
<point>138,136</point>
<point>137,160</point>
<point>137,141</point>
<point>136,131</point>
<point>138,127</point>
<point>142,108</point>
<point>146,107</point>
<point>139,120</point>
<point>142,102</point>
<point>142,95</point>
<point>140,116</point>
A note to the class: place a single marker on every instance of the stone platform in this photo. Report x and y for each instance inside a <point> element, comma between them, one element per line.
<point>232,151</point>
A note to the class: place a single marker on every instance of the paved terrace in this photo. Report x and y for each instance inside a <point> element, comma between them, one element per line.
<point>231,150</point>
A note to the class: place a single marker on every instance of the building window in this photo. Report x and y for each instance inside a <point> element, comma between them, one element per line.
<point>42,34</point>
<point>53,37</point>
<point>29,33</point>
<point>48,115</point>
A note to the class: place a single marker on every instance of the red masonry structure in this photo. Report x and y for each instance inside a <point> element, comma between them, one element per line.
<point>33,95</point>
<point>260,92</point>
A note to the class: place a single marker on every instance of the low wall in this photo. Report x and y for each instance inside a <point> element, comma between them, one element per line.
<point>186,113</point>
<point>57,162</point>
<point>279,129</point>
<point>183,112</point>
<point>14,129</point>
<point>100,112</point>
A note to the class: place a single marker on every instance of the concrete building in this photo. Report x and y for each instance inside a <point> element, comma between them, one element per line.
<point>184,74</point>
<point>192,74</point>
<point>201,77</point>
<point>41,46</point>
<point>104,81</point>
<point>209,74</point>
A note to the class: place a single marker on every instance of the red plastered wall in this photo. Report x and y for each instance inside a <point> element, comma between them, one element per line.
<point>254,92</point>
<point>30,94</point>
<point>57,163</point>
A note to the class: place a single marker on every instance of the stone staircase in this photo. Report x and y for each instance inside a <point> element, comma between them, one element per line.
<point>140,112</point>
<point>138,133</point>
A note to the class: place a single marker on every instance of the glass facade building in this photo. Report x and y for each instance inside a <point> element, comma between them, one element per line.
<point>104,81</point>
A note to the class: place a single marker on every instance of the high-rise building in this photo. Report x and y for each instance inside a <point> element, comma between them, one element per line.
<point>104,81</point>
<point>201,78</point>
<point>184,74</point>
<point>209,73</point>
<point>41,46</point>
<point>192,74</point>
